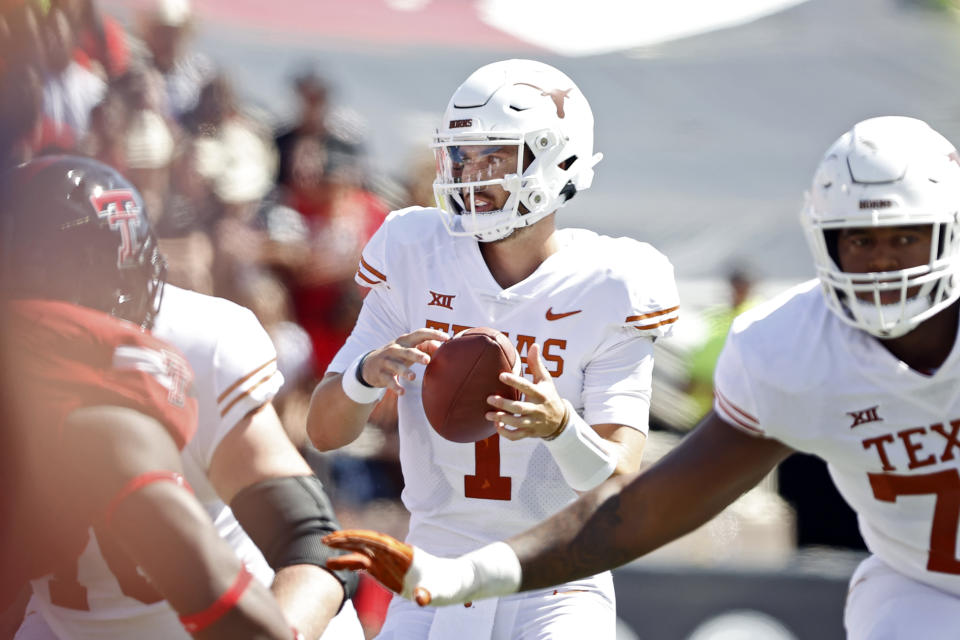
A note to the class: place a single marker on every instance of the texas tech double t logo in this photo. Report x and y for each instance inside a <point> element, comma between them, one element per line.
<point>122,214</point>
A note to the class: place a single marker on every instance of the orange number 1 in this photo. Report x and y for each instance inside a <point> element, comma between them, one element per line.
<point>487,484</point>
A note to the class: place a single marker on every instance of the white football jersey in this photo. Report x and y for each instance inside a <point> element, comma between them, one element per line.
<point>235,367</point>
<point>791,370</point>
<point>595,308</point>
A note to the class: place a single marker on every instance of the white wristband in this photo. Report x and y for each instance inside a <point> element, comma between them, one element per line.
<point>488,572</point>
<point>356,390</point>
<point>585,459</point>
<point>497,570</point>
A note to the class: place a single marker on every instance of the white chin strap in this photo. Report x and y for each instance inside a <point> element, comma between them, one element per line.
<point>488,226</point>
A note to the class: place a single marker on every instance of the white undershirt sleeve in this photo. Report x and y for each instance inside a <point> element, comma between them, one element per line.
<point>617,381</point>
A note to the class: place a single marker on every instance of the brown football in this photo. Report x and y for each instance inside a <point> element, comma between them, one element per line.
<point>460,376</point>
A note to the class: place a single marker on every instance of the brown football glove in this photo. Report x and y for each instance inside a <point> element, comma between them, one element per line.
<point>382,556</point>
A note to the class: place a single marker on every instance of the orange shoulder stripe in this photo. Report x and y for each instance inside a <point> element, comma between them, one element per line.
<point>366,265</point>
<point>647,327</point>
<point>239,382</point>
<point>362,276</point>
<point>652,314</point>
<point>243,395</point>
<point>732,412</point>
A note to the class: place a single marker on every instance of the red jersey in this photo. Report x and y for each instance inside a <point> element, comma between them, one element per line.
<point>61,358</point>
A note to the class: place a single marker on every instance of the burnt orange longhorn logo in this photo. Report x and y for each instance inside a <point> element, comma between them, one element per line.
<point>557,95</point>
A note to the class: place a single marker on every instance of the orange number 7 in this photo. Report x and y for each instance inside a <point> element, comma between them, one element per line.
<point>946,511</point>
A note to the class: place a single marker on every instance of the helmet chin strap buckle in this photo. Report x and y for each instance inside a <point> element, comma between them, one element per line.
<point>569,190</point>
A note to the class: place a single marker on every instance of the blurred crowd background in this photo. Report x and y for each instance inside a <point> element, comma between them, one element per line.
<point>272,215</point>
<point>263,182</point>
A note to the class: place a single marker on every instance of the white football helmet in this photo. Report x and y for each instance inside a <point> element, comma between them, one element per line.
<point>516,108</point>
<point>887,172</point>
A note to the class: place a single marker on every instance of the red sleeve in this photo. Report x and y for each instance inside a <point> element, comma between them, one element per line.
<point>59,358</point>
<point>71,357</point>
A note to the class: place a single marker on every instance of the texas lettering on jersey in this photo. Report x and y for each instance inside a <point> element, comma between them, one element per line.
<point>595,310</point>
<point>923,446</point>
<point>552,347</point>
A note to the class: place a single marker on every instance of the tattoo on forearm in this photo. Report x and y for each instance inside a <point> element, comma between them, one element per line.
<point>577,546</point>
<point>592,548</point>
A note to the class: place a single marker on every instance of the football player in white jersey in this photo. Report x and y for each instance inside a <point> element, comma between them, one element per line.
<point>240,456</point>
<point>515,144</point>
<point>860,367</point>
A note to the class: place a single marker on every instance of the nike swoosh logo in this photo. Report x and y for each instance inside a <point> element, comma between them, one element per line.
<point>556,316</point>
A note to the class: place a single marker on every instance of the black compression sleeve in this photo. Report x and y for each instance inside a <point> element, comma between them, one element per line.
<point>286,518</point>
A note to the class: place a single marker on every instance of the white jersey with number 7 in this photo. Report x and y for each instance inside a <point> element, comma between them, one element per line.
<point>791,370</point>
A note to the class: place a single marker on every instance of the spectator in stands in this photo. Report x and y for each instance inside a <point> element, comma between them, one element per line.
<point>105,141</point>
<point>130,132</point>
<point>185,227</point>
<point>718,319</point>
<point>22,91</point>
<point>234,150</point>
<point>310,135</point>
<point>148,138</point>
<point>166,29</point>
<point>419,181</point>
<point>70,91</point>
<point>340,216</point>
<point>20,41</point>
<point>101,42</point>
<point>234,154</point>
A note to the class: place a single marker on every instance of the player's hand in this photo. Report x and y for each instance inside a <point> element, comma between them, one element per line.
<point>385,367</point>
<point>540,414</point>
<point>400,567</point>
<point>382,556</point>
<point>493,570</point>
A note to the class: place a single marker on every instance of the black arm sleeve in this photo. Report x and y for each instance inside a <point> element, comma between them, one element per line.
<point>286,518</point>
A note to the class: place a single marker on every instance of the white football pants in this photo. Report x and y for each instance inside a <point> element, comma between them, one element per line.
<point>883,604</point>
